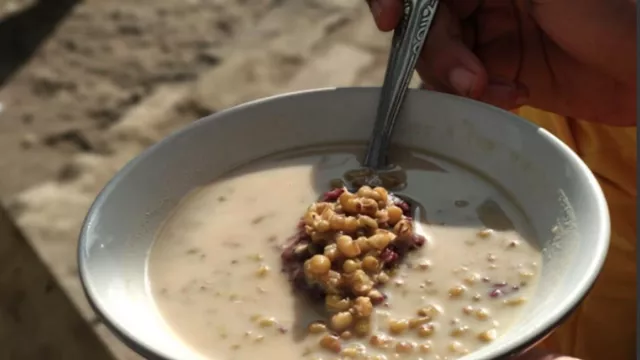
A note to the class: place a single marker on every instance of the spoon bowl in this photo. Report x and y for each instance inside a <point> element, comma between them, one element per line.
<point>392,178</point>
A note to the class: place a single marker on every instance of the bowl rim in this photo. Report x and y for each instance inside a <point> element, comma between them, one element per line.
<point>580,291</point>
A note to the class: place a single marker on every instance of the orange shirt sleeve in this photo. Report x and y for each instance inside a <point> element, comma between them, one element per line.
<point>604,326</point>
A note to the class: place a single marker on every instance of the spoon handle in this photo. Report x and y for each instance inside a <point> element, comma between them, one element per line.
<point>408,39</point>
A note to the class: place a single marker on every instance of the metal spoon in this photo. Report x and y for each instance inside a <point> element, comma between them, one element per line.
<point>408,40</point>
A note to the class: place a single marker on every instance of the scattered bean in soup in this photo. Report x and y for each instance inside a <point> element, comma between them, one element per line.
<point>221,279</point>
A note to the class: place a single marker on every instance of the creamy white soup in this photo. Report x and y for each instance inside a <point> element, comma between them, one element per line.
<point>215,269</point>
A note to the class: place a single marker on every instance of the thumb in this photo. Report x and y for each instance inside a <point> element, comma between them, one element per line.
<point>386,13</point>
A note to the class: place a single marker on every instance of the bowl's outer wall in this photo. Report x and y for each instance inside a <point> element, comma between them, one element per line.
<point>557,192</point>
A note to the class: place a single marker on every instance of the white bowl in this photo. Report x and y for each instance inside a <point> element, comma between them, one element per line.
<point>555,189</point>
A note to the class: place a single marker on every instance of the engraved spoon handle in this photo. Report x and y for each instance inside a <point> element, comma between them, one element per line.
<point>408,39</point>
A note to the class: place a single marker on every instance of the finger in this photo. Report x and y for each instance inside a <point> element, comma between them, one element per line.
<point>507,96</point>
<point>501,94</point>
<point>447,63</point>
<point>469,30</point>
<point>429,83</point>
<point>466,11</point>
<point>499,45</point>
<point>386,13</point>
<point>463,8</point>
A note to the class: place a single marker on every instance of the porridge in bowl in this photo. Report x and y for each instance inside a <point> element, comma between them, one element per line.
<point>219,280</point>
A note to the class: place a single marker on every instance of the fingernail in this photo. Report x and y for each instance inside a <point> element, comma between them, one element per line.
<point>462,81</point>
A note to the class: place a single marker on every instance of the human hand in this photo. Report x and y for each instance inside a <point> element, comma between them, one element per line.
<point>576,58</point>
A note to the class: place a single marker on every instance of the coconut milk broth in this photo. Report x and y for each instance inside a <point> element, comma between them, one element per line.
<point>215,267</point>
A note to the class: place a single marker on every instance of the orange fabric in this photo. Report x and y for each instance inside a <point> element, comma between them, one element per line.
<point>604,327</point>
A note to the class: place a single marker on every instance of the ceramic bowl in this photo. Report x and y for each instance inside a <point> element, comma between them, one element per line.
<point>555,189</point>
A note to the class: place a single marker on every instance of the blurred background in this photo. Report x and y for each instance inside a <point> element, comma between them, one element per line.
<point>86,85</point>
